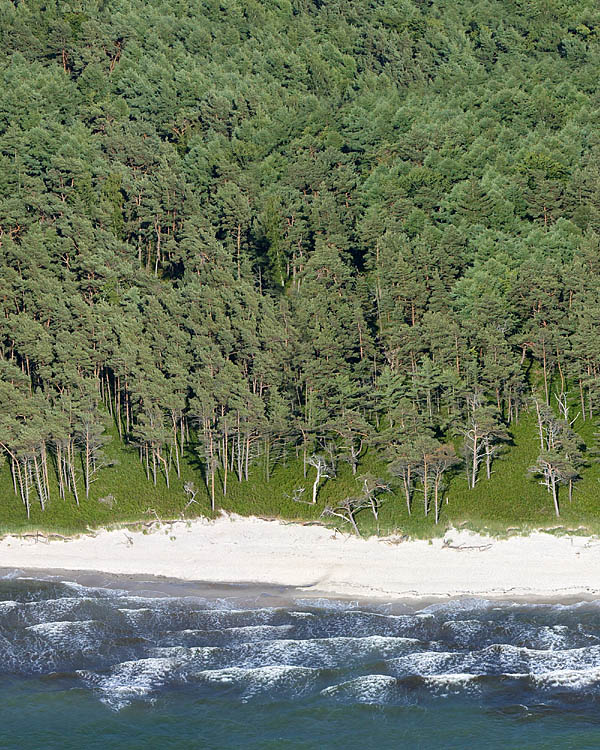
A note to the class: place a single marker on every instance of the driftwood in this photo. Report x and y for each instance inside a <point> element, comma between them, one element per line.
<point>478,547</point>
<point>46,538</point>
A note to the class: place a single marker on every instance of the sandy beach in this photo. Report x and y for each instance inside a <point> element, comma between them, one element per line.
<point>234,549</point>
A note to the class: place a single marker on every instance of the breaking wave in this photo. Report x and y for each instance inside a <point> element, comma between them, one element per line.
<point>124,647</point>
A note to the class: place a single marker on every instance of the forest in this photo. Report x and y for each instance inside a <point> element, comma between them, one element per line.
<point>340,254</point>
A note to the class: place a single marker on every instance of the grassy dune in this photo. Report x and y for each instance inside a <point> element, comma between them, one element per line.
<point>512,500</point>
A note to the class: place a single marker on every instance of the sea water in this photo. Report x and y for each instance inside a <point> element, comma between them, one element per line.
<point>143,665</point>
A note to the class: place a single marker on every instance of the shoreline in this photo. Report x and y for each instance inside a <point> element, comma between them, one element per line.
<point>278,558</point>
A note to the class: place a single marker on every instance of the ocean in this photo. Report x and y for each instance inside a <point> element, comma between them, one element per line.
<point>127,663</point>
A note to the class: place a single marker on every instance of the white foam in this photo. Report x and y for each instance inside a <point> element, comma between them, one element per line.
<point>459,678</point>
<point>249,633</point>
<point>569,679</point>
<point>552,637</point>
<point>129,680</point>
<point>460,605</point>
<point>373,689</point>
<point>462,631</point>
<point>206,655</point>
<point>282,679</point>
<point>496,659</point>
<point>135,615</point>
<point>338,605</point>
<point>458,683</point>
<point>7,652</point>
<point>58,629</point>
<point>321,652</point>
<point>425,663</point>
<point>103,590</point>
<point>11,575</point>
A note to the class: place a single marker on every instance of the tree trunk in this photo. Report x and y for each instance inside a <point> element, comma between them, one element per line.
<point>24,488</point>
<point>165,465</point>
<point>225,461</point>
<point>474,464</point>
<point>555,495</point>
<point>72,472</point>
<point>314,490</point>
<point>13,474</point>
<point>61,489</point>
<point>406,482</point>
<point>44,459</point>
<point>488,460</point>
<point>353,522</point>
<point>38,482</point>
<point>212,471</point>
<point>540,426</point>
<point>247,458</point>
<point>118,406</point>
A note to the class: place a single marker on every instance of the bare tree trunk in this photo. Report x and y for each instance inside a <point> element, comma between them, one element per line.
<point>540,425</point>
<point>555,497</point>
<point>71,467</point>
<point>315,486</point>
<point>65,469</point>
<point>247,459</point>
<point>38,483</point>
<point>61,489</point>
<point>163,461</point>
<point>176,446</point>
<point>353,522</point>
<point>118,407</point>
<point>225,461</point>
<point>212,472</point>
<point>74,484</point>
<point>13,474</point>
<point>44,459</point>
<point>406,482</point>
<point>127,409</point>
<point>475,463</point>
<point>24,487</point>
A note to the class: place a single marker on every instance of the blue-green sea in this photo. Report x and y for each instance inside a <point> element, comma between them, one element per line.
<point>142,664</point>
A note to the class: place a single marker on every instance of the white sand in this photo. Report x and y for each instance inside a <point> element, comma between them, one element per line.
<point>235,549</point>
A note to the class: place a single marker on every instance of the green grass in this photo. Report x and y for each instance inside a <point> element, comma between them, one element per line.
<point>512,501</point>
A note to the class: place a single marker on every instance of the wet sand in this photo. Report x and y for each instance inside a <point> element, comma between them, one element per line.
<point>283,559</point>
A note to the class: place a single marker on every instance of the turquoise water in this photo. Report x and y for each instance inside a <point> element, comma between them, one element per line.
<point>129,667</point>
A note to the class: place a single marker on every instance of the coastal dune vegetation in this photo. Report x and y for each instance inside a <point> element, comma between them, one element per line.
<point>332,260</point>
